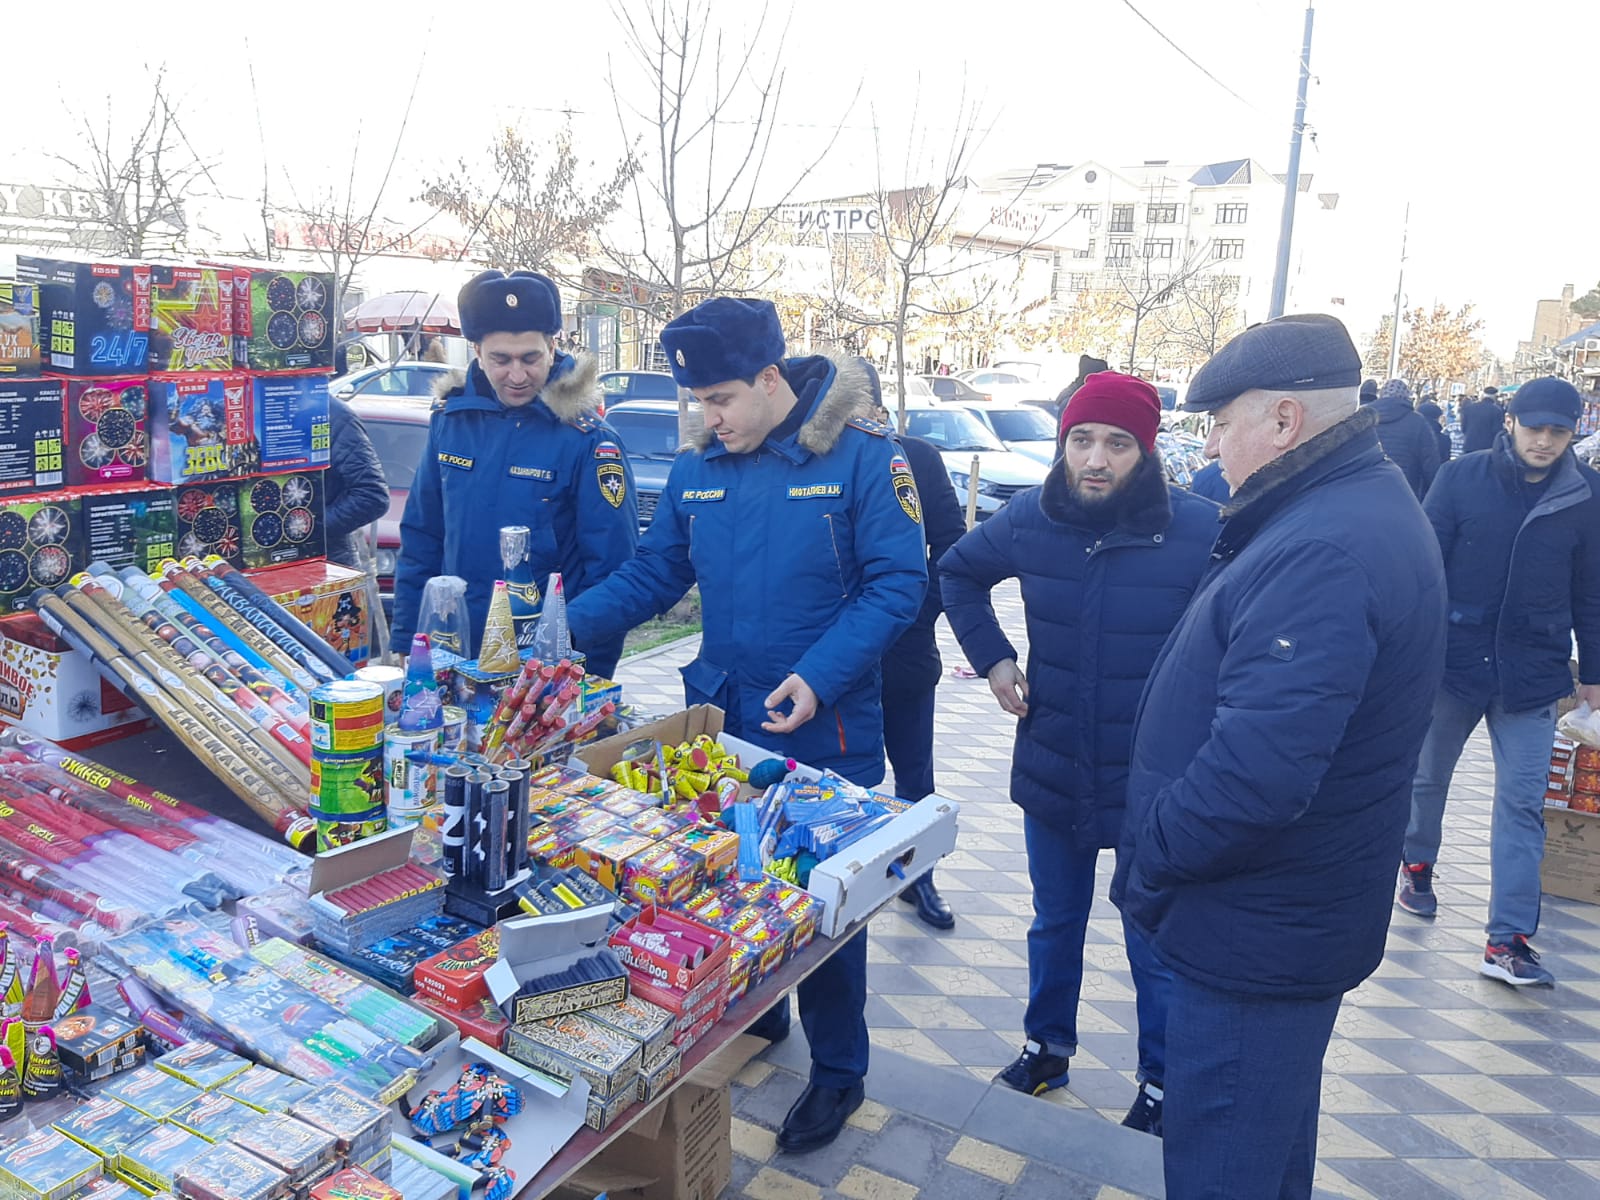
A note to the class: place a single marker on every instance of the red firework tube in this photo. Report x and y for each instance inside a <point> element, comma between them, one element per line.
<point>511,699</point>
<point>159,831</point>
<point>125,787</point>
<point>36,925</point>
<point>42,884</point>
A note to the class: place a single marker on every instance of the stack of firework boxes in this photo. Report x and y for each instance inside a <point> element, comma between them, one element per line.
<point>153,410</point>
<point>1571,864</point>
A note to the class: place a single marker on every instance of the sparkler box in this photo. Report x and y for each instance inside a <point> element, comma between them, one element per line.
<point>130,528</point>
<point>281,517</point>
<point>282,320</point>
<point>201,427</point>
<point>20,352</point>
<point>106,434</point>
<point>292,421</point>
<point>53,691</point>
<point>208,521</point>
<point>32,434</point>
<point>329,598</point>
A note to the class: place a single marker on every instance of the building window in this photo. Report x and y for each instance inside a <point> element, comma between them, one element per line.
<point>1162,214</point>
<point>1079,283</point>
<point>1089,253</point>
<point>1232,214</point>
<point>1158,247</point>
<point>1228,248</point>
<point>1122,218</point>
<point>1119,250</point>
<point>1089,213</point>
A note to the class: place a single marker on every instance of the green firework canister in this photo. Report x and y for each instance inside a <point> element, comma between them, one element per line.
<point>347,717</point>
<point>341,829</point>
<point>346,783</point>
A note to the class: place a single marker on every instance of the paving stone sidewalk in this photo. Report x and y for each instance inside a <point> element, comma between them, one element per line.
<point>1438,1083</point>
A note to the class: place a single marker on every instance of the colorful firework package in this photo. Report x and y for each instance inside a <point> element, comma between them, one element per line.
<point>94,318</point>
<point>56,693</point>
<point>41,545</point>
<point>32,433</point>
<point>328,598</point>
<point>201,427</point>
<point>130,529</point>
<point>282,320</point>
<point>106,430</point>
<point>46,1165</point>
<point>19,329</point>
<point>191,318</point>
<point>281,518</point>
<point>208,521</point>
<point>292,422</point>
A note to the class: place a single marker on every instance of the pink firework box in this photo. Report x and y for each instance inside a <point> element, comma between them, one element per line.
<point>191,318</point>
<point>106,431</point>
<point>201,427</point>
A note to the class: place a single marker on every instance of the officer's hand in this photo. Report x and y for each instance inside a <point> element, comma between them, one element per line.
<point>1009,686</point>
<point>803,708</point>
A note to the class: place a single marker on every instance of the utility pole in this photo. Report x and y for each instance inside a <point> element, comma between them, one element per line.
<point>1291,183</point>
<point>1399,299</point>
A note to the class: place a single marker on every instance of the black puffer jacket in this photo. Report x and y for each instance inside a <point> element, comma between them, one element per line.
<point>355,490</point>
<point>1409,442</point>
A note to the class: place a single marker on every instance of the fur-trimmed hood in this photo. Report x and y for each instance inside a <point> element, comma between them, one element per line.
<point>835,388</point>
<point>1144,508</point>
<point>572,391</point>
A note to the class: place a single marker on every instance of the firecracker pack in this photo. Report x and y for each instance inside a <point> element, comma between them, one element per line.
<point>94,1038</point>
<point>136,528</point>
<point>359,1127</point>
<point>295,1148</point>
<point>206,521</point>
<point>648,1024</point>
<point>214,1117</point>
<point>226,1172</point>
<point>482,1019</point>
<point>654,822</point>
<point>105,1126</point>
<point>282,320</point>
<point>717,848</point>
<point>603,857</point>
<point>574,1045</point>
<point>742,958</point>
<point>657,1072</point>
<point>281,518</point>
<point>265,1089</point>
<point>41,545</point>
<point>201,427</point>
<point>152,1092</point>
<point>661,874</point>
<point>106,430</point>
<point>203,1064</point>
<point>292,421</point>
<point>20,351</point>
<point>32,434</point>
<point>46,1165</point>
<point>155,1159</point>
<point>456,976</point>
<point>353,1183</point>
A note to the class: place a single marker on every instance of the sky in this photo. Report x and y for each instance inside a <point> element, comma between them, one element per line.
<point>1474,117</point>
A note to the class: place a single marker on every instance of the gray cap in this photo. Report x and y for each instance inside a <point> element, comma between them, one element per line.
<point>1290,354</point>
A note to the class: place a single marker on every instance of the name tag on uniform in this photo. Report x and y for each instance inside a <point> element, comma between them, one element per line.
<point>816,491</point>
<point>702,495</point>
<point>455,460</point>
<point>544,474</point>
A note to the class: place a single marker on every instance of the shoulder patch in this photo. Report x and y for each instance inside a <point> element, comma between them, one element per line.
<point>872,427</point>
<point>607,449</point>
<point>905,487</point>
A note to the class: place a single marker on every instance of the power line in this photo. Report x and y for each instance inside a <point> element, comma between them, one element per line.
<point>1188,56</point>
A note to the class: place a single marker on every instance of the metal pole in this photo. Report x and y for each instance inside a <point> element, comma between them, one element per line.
<point>1291,184</point>
<point>1399,299</point>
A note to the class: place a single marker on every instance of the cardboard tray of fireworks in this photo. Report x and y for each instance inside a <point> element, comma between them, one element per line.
<point>852,884</point>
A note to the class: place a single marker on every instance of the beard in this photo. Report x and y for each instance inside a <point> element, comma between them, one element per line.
<point>1092,498</point>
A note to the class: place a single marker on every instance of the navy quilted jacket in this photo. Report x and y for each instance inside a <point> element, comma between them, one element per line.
<point>1098,606</point>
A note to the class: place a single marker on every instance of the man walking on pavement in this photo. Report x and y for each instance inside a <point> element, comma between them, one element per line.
<point>1481,421</point>
<point>1520,530</point>
<point>1273,754</point>
<point>1406,436</point>
<point>912,668</point>
<point>1108,555</point>
<point>799,519</point>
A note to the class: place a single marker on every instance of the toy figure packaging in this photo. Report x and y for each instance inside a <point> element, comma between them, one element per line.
<point>130,529</point>
<point>41,544</point>
<point>201,427</point>
<point>208,521</point>
<point>282,320</point>
<point>32,434</point>
<point>106,430</point>
<point>281,517</point>
<point>19,329</point>
<point>292,423</point>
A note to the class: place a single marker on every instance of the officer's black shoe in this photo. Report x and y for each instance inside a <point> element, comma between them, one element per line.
<point>774,1023</point>
<point>931,906</point>
<point>1145,1115</point>
<point>817,1117</point>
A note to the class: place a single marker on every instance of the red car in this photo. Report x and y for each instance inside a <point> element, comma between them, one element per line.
<point>398,427</point>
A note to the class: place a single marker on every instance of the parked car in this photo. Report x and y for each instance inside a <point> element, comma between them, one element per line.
<point>958,391</point>
<point>1004,385</point>
<point>618,386</point>
<point>398,427</point>
<point>415,380</point>
<point>1025,428</point>
<point>648,430</point>
<point>959,435</point>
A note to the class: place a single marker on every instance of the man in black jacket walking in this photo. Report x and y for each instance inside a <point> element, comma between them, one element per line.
<point>1406,437</point>
<point>1481,421</point>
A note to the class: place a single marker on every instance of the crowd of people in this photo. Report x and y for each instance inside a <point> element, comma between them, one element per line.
<point>1253,692</point>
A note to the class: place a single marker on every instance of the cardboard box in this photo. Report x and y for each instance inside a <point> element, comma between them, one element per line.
<point>292,421</point>
<point>133,528</point>
<point>603,857</point>
<point>282,519</point>
<point>282,320</point>
<point>534,947</point>
<point>32,434</point>
<point>41,545</point>
<point>201,427</point>
<point>690,1157</point>
<point>191,318</point>
<point>1571,866</point>
<point>328,598</point>
<point>53,691</point>
<point>20,351</point>
<point>106,430</point>
<point>572,1046</point>
<point>207,520</point>
<point>94,318</point>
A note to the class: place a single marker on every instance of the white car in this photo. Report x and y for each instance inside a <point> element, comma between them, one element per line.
<point>959,436</point>
<point>1025,428</point>
<point>408,380</point>
<point>1010,386</point>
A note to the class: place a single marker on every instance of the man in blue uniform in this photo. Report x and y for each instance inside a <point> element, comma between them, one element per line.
<point>800,522</point>
<point>515,441</point>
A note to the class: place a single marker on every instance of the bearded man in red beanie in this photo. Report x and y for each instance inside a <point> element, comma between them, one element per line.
<point>1108,554</point>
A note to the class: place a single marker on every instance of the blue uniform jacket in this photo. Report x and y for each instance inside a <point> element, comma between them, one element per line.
<point>551,465</point>
<point>810,558</point>
<point>912,665</point>
<point>1521,582</point>
<point>1277,738</point>
<point>1098,604</point>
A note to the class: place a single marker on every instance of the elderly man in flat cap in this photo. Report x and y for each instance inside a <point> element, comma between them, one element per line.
<point>515,440</point>
<point>1270,781</point>
<point>800,520</point>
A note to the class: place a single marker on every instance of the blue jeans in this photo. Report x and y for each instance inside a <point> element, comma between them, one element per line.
<point>1062,875</point>
<point>1521,744</point>
<point>1243,1094</point>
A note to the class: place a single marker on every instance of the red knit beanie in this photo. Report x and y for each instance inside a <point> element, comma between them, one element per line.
<point>1111,398</point>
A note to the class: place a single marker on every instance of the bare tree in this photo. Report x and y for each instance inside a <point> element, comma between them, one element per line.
<point>543,209</point>
<point>1142,287</point>
<point>1203,317</point>
<point>138,179</point>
